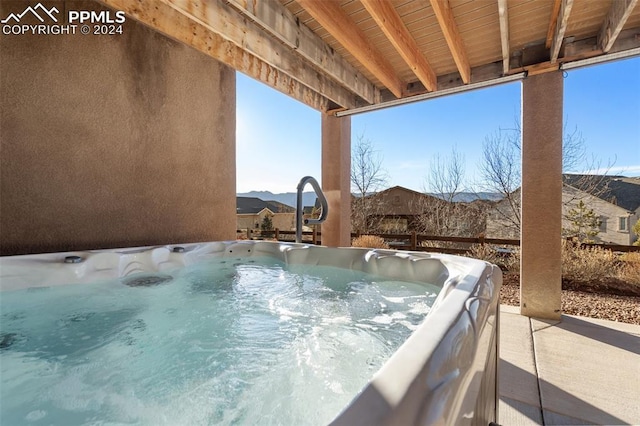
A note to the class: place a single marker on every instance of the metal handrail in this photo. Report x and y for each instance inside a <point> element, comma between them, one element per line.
<point>323,204</point>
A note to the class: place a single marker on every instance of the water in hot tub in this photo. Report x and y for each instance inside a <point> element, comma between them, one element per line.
<point>226,342</point>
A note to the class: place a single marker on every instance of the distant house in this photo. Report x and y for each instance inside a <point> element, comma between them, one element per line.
<point>396,209</point>
<point>400,210</point>
<point>312,211</point>
<point>614,199</point>
<point>251,211</point>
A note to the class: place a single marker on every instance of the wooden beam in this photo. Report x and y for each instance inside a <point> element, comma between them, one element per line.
<point>450,81</point>
<point>341,26</point>
<point>165,19</point>
<point>389,21</point>
<point>552,23</point>
<point>588,48</point>
<point>230,25</point>
<point>503,14</point>
<point>279,22</point>
<point>537,57</point>
<point>449,28</point>
<point>561,27</point>
<point>616,18</point>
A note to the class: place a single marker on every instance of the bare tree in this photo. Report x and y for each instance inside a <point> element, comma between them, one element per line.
<point>367,177</point>
<point>573,151</point>
<point>501,172</point>
<point>500,169</point>
<point>446,175</point>
<point>451,219</point>
<point>441,214</point>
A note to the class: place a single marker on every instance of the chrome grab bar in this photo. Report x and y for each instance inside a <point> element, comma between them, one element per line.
<point>323,204</point>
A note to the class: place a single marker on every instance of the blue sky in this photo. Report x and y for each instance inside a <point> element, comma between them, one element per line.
<point>278,138</point>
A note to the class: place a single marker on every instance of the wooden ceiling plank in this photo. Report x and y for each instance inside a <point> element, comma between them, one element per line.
<point>614,22</point>
<point>503,14</point>
<point>345,31</point>
<point>561,27</point>
<point>167,20</point>
<point>385,15</point>
<point>229,24</point>
<point>552,22</point>
<point>279,22</point>
<point>444,15</point>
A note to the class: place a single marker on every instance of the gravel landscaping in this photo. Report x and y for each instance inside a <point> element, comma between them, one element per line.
<point>595,301</point>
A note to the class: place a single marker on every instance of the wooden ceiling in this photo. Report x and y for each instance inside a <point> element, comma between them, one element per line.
<point>343,55</point>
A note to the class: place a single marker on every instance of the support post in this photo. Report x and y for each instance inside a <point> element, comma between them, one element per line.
<point>541,214</point>
<point>336,179</point>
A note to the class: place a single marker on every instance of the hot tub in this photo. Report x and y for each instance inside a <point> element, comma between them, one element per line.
<point>443,371</point>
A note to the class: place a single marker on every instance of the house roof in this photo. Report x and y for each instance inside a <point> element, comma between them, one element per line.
<point>399,200</point>
<point>619,190</point>
<point>343,55</point>
<point>309,209</point>
<point>399,188</point>
<point>253,205</point>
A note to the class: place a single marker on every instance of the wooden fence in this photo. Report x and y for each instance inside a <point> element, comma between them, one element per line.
<point>416,242</point>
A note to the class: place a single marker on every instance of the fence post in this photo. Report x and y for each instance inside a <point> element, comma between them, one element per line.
<point>277,235</point>
<point>248,233</point>
<point>414,240</point>
<point>315,236</point>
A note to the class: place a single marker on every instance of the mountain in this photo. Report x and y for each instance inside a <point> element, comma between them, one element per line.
<point>309,198</point>
<point>288,198</point>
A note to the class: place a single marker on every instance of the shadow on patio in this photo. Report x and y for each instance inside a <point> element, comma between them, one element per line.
<point>578,371</point>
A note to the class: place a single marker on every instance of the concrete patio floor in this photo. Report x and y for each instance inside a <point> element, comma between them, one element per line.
<point>574,372</point>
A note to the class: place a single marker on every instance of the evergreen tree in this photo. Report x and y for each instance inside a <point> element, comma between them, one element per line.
<point>267,223</point>
<point>636,230</point>
<point>583,223</point>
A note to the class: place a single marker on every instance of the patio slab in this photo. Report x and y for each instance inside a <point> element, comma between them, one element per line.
<point>518,379</point>
<point>585,371</point>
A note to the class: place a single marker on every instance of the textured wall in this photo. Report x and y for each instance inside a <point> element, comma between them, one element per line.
<point>336,180</point>
<point>113,141</point>
<point>541,226</point>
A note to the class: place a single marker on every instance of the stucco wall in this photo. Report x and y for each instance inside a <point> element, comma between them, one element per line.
<point>608,213</point>
<point>282,221</point>
<point>113,141</point>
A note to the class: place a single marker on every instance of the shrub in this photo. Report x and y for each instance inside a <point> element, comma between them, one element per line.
<point>512,262</point>
<point>484,252</point>
<point>630,269</point>
<point>369,241</point>
<point>587,264</point>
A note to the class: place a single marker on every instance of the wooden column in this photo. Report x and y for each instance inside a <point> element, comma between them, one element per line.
<point>541,230</point>
<point>336,180</point>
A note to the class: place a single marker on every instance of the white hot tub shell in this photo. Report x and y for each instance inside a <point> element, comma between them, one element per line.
<point>444,373</point>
